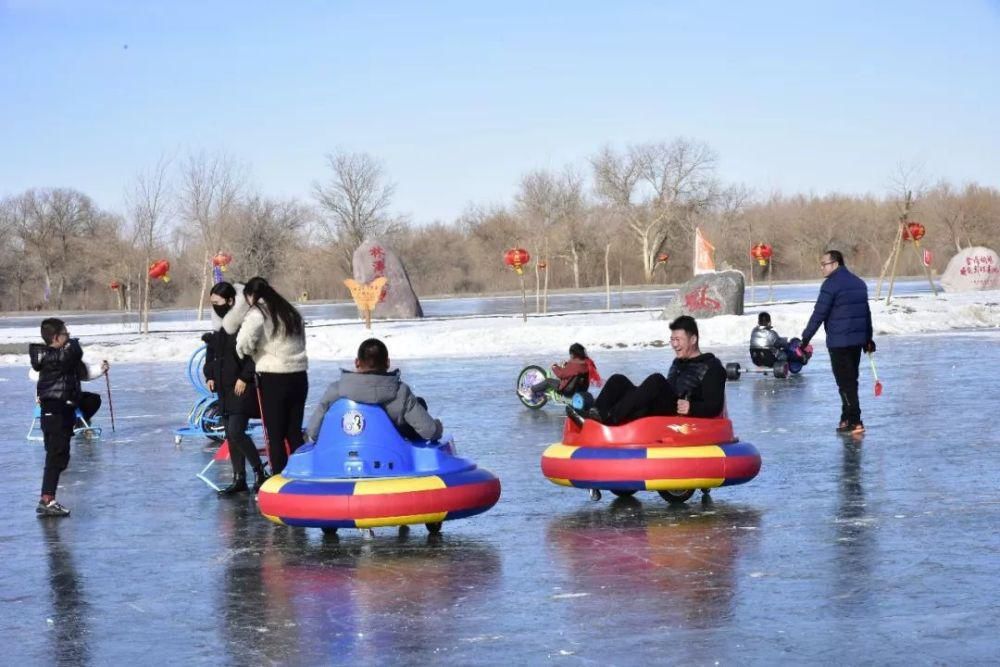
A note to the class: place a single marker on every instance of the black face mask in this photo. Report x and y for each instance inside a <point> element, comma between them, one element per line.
<point>221,310</point>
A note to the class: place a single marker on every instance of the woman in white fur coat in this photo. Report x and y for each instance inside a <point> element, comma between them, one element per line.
<point>273,334</point>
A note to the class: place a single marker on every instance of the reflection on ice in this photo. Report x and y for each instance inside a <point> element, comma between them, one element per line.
<point>681,562</point>
<point>286,594</point>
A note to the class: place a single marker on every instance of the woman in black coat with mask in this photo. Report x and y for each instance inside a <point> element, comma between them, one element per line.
<point>232,378</point>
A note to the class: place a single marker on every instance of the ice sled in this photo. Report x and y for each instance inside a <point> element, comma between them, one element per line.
<point>361,473</point>
<point>674,456</point>
<point>779,357</point>
<point>82,427</point>
<point>204,420</point>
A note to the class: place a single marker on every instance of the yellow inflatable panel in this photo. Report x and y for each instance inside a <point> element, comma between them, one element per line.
<point>371,487</point>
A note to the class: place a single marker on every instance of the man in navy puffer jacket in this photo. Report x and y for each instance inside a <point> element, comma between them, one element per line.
<point>842,308</point>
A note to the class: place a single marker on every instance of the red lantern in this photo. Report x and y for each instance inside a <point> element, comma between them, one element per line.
<point>662,258</point>
<point>762,253</point>
<point>516,258</point>
<point>115,284</point>
<point>913,231</point>
<point>542,266</point>
<point>160,269</point>
<point>222,260</point>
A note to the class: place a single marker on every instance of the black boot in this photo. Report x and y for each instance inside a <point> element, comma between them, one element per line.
<point>239,484</point>
<point>259,477</point>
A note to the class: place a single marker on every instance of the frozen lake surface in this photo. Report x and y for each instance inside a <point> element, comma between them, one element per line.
<point>879,551</point>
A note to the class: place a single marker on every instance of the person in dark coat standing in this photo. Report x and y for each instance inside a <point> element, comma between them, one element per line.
<point>842,309</point>
<point>232,378</point>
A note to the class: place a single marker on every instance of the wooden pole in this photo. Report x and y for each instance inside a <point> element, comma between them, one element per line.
<point>897,245</point>
<point>607,275</point>
<point>770,281</point>
<point>885,269</point>
<point>895,261</point>
<point>524,299</point>
<point>753,293</point>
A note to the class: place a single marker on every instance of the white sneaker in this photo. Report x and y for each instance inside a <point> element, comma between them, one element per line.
<point>51,508</point>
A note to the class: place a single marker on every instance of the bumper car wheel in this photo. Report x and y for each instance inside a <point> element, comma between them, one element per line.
<point>677,497</point>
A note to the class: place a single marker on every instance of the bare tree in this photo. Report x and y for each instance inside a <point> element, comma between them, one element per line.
<point>266,234</point>
<point>209,191</point>
<point>659,189</point>
<point>356,200</point>
<point>53,224</point>
<point>554,208</point>
<point>147,201</point>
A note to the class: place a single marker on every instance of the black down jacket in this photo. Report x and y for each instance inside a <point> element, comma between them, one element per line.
<point>59,371</point>
<point>224,367</point>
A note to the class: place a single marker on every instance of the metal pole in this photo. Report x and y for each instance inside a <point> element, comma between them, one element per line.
<point>770,281</point>
<point>524,301</point>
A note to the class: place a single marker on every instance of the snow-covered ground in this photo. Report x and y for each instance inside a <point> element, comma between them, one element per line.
<point>545,335</point>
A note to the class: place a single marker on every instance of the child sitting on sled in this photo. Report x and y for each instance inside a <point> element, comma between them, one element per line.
<point>571,376</point>
<point>766,346</point>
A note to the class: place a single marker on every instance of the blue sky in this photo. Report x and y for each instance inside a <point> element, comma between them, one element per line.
<point>459,99</point>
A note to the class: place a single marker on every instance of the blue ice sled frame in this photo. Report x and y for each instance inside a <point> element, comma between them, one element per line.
<point>358,440</point>
<point>204,420</point>
<point>86,430</point>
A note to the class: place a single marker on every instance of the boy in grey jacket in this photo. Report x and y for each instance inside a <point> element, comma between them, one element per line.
<point>372,382</point>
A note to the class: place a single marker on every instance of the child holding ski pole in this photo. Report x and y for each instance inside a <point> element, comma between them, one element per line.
<point>60,368</point>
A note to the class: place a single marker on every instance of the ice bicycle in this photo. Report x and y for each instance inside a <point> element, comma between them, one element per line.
<point>784,358</point>
<point>532,375</point>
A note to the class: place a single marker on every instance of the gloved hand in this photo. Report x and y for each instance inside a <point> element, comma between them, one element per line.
<point>869,346</point>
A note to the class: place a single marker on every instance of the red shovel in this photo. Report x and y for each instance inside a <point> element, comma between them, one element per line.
<point>878,385</point>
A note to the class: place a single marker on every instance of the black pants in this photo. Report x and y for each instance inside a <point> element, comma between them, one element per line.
<point>283,397</point>
<point>241,445</point>
<point>57,431</point>
<point>89,404</point>
<point>845,362</point>
<point>545,385</point>
<point>621,401</point>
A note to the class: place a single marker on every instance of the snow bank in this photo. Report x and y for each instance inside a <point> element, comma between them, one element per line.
<point>540,337</point>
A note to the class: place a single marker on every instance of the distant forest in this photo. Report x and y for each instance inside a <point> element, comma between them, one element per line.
<point>615,217</point>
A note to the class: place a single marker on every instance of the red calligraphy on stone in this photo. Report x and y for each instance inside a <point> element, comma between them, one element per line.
<point>699,300</point>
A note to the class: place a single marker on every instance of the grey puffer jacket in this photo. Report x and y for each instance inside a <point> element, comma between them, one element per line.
<point>385,389</point>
